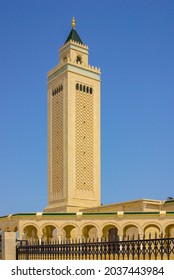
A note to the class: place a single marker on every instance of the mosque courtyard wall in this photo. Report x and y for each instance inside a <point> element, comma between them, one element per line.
<point>58,226</point>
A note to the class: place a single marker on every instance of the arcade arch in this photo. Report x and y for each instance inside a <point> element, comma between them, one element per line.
<point>30,233</point>
<point>131,231</point>
<point>152,231</point>
<point>110,232</point>
<point>90,232</point>
<point>69,231</point>
<point>169,230</point>
<point>49,233</point>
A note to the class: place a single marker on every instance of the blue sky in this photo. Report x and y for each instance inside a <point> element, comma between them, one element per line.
<point>132,41</point>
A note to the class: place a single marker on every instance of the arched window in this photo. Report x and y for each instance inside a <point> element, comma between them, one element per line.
<point>65,59</point>
<point>78,59</point>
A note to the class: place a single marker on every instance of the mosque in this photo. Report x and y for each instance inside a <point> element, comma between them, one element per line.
<point>74,209</point>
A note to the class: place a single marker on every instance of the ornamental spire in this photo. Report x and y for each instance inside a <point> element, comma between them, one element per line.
<point>73,35</point>
<point>73,22</point>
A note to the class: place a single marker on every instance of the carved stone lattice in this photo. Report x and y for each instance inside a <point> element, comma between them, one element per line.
<point>84,144</point>
<point>57,146</point>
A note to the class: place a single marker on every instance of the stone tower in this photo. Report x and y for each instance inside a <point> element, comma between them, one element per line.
<point>73,129</point>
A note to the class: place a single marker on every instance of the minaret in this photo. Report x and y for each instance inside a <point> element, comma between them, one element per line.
<point>73,129</point>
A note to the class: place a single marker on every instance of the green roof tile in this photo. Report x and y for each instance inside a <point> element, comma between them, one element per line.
<point>169,201</point>
<point>23,214</point>
<point>73,35</point>
<point>141,213</point>
<point>3,216</point>
<point>58,214</point>
<point>98,213</point>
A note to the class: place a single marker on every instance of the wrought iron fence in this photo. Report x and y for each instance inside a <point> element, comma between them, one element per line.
<point>139,249</point>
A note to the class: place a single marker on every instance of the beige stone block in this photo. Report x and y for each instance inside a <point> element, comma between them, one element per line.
<point>9,246</point>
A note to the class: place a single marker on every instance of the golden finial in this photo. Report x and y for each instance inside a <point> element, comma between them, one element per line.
<point>73,22</point>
